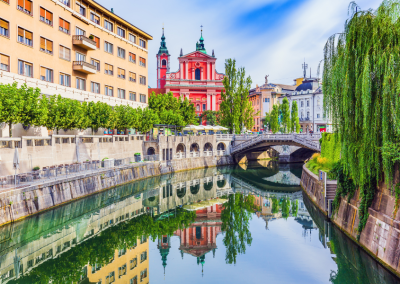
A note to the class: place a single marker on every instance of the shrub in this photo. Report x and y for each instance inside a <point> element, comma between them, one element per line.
<point>36,168</point>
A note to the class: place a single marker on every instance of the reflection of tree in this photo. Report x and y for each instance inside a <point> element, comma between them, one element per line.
<point>68,267</point>
<point>285,207</point>
<point>275,205</point>
<point>295,208</point>
<point>235,222</point>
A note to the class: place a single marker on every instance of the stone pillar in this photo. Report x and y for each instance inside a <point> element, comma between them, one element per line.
<point>201,73</point>
<point>192,73</point>
<point>186,70</point>
<point>214,102</point>
<point>208,101</point>
<point>181,70</point>
<point>213,71</point>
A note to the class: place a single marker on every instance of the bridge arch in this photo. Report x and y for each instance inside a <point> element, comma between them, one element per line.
<point>194,189</point>
<point>194,147</point>
<point>151,151</point>
<point>181,148</point>
<point>221,183</point>
<point>208,185</point>
<point>181,192</point>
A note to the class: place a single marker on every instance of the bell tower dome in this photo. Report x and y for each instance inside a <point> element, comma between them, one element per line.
<point>162,62</point>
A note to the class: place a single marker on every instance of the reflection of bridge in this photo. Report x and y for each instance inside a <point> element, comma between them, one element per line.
<point>284,177</point>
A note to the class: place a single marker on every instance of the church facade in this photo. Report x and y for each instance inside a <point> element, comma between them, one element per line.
<point>196,79</point>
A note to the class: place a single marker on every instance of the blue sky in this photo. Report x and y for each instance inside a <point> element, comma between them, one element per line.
<point>267,37</point>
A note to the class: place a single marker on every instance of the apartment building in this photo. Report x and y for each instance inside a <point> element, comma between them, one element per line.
<point>77,49</point>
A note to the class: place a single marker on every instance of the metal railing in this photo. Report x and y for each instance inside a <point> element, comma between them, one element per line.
<point>84,38</point>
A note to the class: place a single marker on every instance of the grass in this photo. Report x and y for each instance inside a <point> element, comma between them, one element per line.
<point>317,163</point>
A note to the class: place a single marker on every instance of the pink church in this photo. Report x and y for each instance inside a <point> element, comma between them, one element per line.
<point>196,78</point>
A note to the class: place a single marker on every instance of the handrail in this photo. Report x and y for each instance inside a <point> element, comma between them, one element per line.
<point>82,37</point>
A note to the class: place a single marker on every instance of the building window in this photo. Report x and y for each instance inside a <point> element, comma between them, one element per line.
<point>142,100</point>
<point>25,68</point>
<point>110,278</point>
<point>121,73</point>
<point>80,57</point>
<point>302,104</point>
<point>142,62</point>
<point>65,80</point>
<point>4,62</point>
<point>132,38</point>
<point>25,37</point>
<point>108,47</point>
<point>142,43</point>
<point>97,40</point>
<point>46,16</point>
<point>308,103</point>
<point>25,6</point>
<point>109,91</point>
<point>132,77</point>
<point>46,74</point>
<point>108,26</point>
<point>121,52</point>
<point>81,84</point>
<point>121,94</point>
<point>308,114</point>
<point>81,9</point>
<point>4,28</point>
<point>164,63</point>
<point>46,45</point>
<point>318,116</point>
<point>79,31</point>
<point>318,103</point>
<point>94,18</point>
<point>197,74</point>
<point>132,57</point>
<point>122,271</point>
<point>133,280</point>
<point>64,26</point>
<point>95,87</point>
<point>132,96</point>
<point>198,108</point>
<point>142,80</point>
<point>96,63</point>
<point>143,256</point>
<point>121,32</point>
<point>302,115</point>
<point>65,53</point>
<point>143,275</point>
<point>204,107</point>
<point>108,69</point>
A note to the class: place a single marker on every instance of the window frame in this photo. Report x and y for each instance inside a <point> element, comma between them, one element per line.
<point>133,81</point>
<point>52,16</point>
<point>52,43</point>
<point>18,27</point>
<point>91,58</point>
<point>112,25</point>
<point>122,29</point>
<point>91,90</point>
<point>9,62</point>
<point>118,76</point>
<point>80,78</point>
<point>107,69</point>
<point>23,10</point>
<point>94,37</point>
<point>144,43</point>
<point>81,6</point>
<point>140,80</point>
<point>25,61</point>
<point>8,30</point>
<point>134,36</point>
<point>140,61</point>
<point>68,31</point>
<point>52,74</point>
<point>108,89</point>
<point>106,43</point>
<point>129,57</point>
<point>118,94</point>
<point>78,27</point>
<point>95,14</point>
<point>122,50</point>
<point>59,53</point>
<point>65,74</point>
<point>142,96</point>
<point>130,98</point>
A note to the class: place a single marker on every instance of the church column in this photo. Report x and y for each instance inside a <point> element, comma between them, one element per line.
<point>214,240</point>
<point>201,73</point>
<point>213,70</point>
<point>186,70</point>
<point>181,70</point>
<point>208,235</point>
<point>208,101</point>
<point>192,73</point>
<point>214,102</point>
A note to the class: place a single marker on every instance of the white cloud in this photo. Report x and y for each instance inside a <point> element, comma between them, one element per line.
<point>278,49</point>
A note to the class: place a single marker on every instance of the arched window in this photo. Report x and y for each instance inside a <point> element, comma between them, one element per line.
<point>302,104</point>
<point>164,62</point>
<point>197,74</point>
<point>308,114</point>
<point>198,107</point>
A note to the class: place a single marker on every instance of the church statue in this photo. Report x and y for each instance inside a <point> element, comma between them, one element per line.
<point>266,79</point>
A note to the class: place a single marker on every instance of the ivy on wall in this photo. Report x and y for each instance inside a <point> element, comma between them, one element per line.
<point>361,83</point>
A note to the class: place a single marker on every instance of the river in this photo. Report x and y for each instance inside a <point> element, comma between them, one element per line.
<point>234,224</point>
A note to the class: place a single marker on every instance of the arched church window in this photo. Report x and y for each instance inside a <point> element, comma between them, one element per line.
<point>198,107</point>
<point>197,74</point>
<point>164,62</point>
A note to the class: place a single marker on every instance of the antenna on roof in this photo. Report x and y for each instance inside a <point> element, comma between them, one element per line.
<point>305,67</point>
<point>310,72</point>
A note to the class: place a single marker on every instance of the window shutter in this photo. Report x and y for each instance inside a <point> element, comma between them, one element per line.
<point>66,25</point>
<point>4,59</point>
<point>61,23</point>
<point>119,72</point>
<point>28,5</point>
<point>49,16</point>
<point>20,32</point>
<point>42,43</point>
<point>28,35</point>
<point>49,46</point>
<point>123,72</point>
<point>21,3</point>
<point>3,24</point>
<point>43,71</point>
<point>97,40</point>
<point>42,12</point>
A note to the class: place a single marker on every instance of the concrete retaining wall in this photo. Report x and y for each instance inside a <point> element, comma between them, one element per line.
<point>381,235</point>
<point>20,203</point>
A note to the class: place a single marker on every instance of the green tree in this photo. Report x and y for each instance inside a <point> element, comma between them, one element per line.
<point>274,119</point>
<point>98,115</point>
<point>295,122</point>
<point>124,117</point>
<point>285,111</point>
<point>188,112</point>
<point>267,120</point>
<point>236,109</point>
<point>148,118</point>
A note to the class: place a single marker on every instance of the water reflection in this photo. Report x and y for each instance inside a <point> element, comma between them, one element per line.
<point>210,217</point>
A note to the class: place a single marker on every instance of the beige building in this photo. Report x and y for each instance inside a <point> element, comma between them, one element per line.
<point>77,49</point>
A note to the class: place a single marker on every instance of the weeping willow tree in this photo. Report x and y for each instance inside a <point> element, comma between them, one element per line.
<point>361,85</point>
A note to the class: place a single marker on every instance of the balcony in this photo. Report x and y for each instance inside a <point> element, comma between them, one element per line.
<point>84,42</point>
<point>84,67</point>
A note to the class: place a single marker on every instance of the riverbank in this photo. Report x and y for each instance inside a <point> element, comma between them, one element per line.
<point>21,203</point>
<point>381,235</point>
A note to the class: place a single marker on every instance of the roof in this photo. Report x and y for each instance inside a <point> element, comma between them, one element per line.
<point>111,14</point>
<point>287,87</point>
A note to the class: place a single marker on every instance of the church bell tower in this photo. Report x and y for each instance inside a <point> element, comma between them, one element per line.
<point>162,62</point>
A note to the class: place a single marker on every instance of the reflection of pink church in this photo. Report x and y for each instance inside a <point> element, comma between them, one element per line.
<point>199,238</point>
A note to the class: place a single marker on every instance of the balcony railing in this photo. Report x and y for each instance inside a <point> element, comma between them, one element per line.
<point>84,42</point>
<point>84,67</point>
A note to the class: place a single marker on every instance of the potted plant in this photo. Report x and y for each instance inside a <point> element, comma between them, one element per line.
<point>137,157</point>
<point>36,168</point>
<point>91,37</point>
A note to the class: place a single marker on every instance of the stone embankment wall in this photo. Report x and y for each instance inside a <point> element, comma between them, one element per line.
<point>381,235</point>
<point>20,203</point>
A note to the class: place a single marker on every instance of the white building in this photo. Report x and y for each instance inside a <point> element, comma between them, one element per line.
<point>309,98</point>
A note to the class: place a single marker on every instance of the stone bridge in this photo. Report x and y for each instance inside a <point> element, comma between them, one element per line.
<point>301,145</point>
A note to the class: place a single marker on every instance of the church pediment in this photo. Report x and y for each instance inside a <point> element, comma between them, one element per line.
<point>197,54</point>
